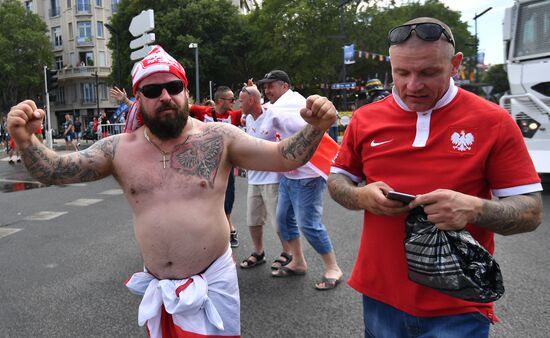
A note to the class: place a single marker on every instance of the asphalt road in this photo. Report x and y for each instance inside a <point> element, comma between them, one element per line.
<point>64,277</point>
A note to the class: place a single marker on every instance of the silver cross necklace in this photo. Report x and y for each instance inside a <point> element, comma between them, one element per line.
<point>164,153</point>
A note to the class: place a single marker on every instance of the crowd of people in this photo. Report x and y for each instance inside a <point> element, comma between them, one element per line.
<point>175,164</point>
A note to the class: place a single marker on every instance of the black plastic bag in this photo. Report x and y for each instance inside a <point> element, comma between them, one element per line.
<point>451,262</point>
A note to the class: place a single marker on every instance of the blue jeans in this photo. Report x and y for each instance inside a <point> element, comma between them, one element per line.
<point>229,193</point>
<point>384,321</point>
<point>300,207</point>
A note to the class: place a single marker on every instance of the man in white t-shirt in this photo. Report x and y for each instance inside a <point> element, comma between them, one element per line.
<point>301,191</point>
<point>263,186</point>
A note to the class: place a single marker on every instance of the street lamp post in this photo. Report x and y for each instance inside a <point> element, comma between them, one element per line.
<point>114,31</point>
<point>96,75</point>
<point>195,46</point>
<point>477,41</point>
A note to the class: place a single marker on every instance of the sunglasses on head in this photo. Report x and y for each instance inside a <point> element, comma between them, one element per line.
<point>154,90</point>
<point>424,31</point>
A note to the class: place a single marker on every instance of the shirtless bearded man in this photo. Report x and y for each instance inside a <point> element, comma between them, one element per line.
<point>173,171</point>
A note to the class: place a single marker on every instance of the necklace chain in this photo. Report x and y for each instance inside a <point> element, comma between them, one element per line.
<point>164,153</point>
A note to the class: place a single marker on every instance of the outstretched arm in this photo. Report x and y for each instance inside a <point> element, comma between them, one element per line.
<point>291,153</point>
<point>91,164</point>
<point>46,165</point>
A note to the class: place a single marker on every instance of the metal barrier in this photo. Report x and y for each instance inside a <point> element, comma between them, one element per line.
<point>106,130</point>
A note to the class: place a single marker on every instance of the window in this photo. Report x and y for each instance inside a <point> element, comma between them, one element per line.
<point>100,29</point>
<point>87,58</point>
<point>28,6</point>
<point>83,6</point>
<point>87,92</point>
<point>114,6</point>
<point>102,59</point>
<point>533,29</point>
<point>60,97</point>
<point>72,61</point>
<point>71,33</point>
<point>56,36</point>
<point>84,32</point>
<point>99,3</point>
<point>56,10</point>
<point>59,62</point>
<point>69,4</point>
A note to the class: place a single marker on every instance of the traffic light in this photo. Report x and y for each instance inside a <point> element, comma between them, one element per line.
<point>51,79</point>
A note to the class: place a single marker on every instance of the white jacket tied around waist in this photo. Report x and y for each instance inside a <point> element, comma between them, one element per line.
<point>205,304</point>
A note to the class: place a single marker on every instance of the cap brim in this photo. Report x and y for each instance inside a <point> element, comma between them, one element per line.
<point>262,81</point>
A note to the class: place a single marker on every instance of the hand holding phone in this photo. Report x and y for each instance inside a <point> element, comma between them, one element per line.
<point>401,197</point>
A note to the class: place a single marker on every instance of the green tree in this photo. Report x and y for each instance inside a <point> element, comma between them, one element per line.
<point>24,51</point>
<point>497,77</point>
<point>215,25</point>
<point>373,25</point>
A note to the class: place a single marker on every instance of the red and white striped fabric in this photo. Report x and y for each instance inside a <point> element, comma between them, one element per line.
<point>205,305</point>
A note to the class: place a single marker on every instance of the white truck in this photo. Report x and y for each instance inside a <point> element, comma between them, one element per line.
<point>526,34</point>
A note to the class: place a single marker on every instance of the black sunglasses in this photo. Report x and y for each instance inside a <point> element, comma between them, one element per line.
<point>153,91</point>
<point>425,31</point>
<point>231,99</point>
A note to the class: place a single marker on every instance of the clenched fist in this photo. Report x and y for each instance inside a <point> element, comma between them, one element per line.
<point>319,112</point>
<point>23,120</point>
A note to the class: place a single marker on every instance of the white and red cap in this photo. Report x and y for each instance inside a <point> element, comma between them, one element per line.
<point>157,61</point>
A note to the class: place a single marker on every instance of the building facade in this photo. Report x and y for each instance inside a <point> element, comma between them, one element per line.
<point>79,38</point>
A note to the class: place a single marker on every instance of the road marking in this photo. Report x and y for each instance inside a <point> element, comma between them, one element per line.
<point>45,215</point>
<point>18,181</point>
<point>77,185</point>
<point>83,202</point>
<point>4,232</point>
<point>112,192</point>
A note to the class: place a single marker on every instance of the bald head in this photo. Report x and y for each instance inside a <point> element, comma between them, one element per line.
<point>251,101</point>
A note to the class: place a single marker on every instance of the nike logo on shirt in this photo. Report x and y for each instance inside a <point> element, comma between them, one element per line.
<point>376,144</point>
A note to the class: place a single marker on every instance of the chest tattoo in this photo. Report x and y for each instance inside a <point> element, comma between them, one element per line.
<point>200,157</point>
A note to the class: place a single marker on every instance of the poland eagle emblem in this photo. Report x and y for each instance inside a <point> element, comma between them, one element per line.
<point>462,141</point>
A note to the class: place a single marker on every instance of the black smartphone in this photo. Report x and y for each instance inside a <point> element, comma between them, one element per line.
<point>401,197</point>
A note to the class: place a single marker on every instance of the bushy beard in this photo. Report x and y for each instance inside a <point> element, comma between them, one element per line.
<point>166,127</point>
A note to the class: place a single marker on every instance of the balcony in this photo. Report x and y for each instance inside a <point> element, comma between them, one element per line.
<point>85,41</point>
<point>85,72</point>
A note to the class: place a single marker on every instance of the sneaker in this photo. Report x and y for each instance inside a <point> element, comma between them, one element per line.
<point>18,160</point>
<point>233,239</point>
<point>11,161</point>
<point>78,144</point>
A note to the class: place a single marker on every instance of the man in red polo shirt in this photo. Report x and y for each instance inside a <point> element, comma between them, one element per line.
<point>222,112</point>
<point>452,149</point>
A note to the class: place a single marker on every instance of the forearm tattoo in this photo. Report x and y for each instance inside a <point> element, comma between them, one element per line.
<point>301,146</point>
<point>83,166</point>
<point>341,189</point>
<point>201,154</point>
<point>511,215</point>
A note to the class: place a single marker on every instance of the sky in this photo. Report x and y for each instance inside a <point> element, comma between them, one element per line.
<point>489,25</point>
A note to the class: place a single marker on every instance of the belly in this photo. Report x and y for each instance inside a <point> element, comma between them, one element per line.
<point>178,241</point>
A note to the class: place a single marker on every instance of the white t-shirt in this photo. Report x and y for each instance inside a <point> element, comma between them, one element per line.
<point>254,129</point>
<point>284,117</point>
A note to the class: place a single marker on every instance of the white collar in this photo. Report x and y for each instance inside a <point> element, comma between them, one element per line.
<point>445,100</point>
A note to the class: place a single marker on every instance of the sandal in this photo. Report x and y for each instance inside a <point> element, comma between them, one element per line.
<point>283,260</point>
<point>250,262</point>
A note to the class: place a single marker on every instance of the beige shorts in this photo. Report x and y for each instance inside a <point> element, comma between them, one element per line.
<point>262,204</point>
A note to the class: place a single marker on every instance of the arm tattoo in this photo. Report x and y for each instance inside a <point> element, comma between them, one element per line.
<point>511,215</point>
<point>341,189</point>
<point>301,146</point>
<point>84,166</point>
<point>201,156</point>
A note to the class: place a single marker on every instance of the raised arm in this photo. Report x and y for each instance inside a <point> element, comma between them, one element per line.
<point>291,153</point>
<point>46,165</point>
